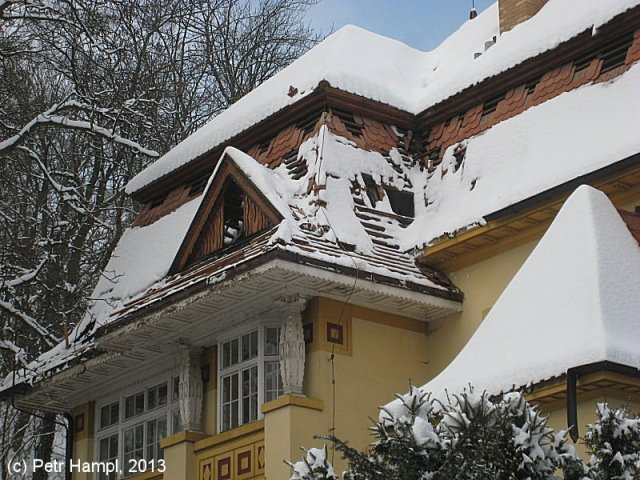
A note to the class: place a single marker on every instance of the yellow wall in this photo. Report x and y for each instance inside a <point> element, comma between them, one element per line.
<point>587,412</point>
<point>83,417</point>
<point>380,355</point>
<point>379,361</point>
<point>482,284</point>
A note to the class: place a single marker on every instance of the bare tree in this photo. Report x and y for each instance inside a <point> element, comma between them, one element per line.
<point>91,91</point>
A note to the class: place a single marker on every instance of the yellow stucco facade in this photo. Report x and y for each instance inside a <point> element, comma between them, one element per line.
<point>356,359</point>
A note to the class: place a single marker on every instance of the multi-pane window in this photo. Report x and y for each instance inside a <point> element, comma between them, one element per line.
<point>108,452</point>
<point>133,445</point>
<point>131,427</point>
<point>109,414</point>
<point>249,375</point>
<point>272,378</point>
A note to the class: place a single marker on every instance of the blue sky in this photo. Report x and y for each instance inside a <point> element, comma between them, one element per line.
<point>423,24</point>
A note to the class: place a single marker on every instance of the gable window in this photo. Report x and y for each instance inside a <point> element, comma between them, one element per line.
<point>131,425</point>
<point>233,213</point>
<point>249,375</point>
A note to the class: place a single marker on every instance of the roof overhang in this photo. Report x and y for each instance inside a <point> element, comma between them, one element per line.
<point>527,220</point>
<point>323,97</point>
<point>593,380</point>
<point>200,318</point>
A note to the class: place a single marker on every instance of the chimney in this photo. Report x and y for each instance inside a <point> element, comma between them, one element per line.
<point>513,12</point>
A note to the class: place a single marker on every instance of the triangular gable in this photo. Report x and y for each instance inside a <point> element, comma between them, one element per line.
<point>233,208</point>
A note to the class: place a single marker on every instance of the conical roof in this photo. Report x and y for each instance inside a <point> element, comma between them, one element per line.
<point>575,301</point>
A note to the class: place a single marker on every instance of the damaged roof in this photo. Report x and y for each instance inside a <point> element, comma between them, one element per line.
<point>345,213</point>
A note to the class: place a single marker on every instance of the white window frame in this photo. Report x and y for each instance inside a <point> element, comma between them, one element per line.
<point>237,368</point>
<point>118,428</point>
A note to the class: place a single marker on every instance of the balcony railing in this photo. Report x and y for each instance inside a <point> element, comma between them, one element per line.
<point>237,454</point>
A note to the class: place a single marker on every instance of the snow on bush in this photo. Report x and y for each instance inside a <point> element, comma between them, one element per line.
<point>614,444</point>
<point>314,466</point>
<point>474,436</point>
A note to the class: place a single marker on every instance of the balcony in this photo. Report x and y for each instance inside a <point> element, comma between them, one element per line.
<point>235,454</point>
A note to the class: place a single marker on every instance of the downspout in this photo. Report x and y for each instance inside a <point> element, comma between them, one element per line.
<point>68,455</point>
<point>572,387</point>
<point>572,403</point>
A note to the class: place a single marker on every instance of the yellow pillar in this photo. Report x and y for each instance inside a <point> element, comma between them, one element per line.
<point>289,423</point>
<point>83,423</point>
<point>179,456</point>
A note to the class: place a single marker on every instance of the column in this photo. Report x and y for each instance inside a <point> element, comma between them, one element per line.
<point>292,354</point>
<point>191,389</point>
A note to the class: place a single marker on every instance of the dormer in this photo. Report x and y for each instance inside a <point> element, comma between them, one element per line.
<point>235,207</point>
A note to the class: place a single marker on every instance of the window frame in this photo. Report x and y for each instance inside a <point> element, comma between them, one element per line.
<point>166,411</point>
<point>259,360</point>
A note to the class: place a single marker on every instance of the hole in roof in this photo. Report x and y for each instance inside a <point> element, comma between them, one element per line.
<point>491,105</point>
<point>531,85</point>
<point>459,153</point>
<point>401,202</point>
<point>614,54</point>
<point>373,190</point>
<point>350,122</point>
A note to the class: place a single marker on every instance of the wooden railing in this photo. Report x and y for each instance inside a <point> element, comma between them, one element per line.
<point>237,454</point>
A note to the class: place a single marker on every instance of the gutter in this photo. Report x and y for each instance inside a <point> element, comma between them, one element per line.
<point>573,374</point>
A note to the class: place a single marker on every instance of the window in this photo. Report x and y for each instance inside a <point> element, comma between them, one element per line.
<point>108,452</point>
<point>249,375</point>
<point>109,415</point>
<point>132,426</point>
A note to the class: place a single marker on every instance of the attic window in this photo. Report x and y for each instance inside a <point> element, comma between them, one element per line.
<point>157,202</point>
<point>614,54</point>
<point>233,229</point>
<point>197,186</point>
<point>349,120</point>
<point>401,202</point>
<point>491,105</point>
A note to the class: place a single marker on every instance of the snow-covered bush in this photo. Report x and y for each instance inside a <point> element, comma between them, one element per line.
<point>505,439</point>
<point>314,466</point>
<point>614,444</point>
<point>469,437</point>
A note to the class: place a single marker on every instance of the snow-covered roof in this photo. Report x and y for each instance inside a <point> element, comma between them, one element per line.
<point>575,301</point>
<point>140,260</point>
<point>573,134</point>
<point>335,226</point>
<point>388,71</point>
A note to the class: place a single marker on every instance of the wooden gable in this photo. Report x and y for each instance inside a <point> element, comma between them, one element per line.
<point>232,210</point>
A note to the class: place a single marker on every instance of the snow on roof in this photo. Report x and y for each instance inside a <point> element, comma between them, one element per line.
<point>568,136</point>
<point>276,188</point>
<point>139,262</point>
<point>388,71</point>
<point>318,225</point>
<point>575,301</point>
